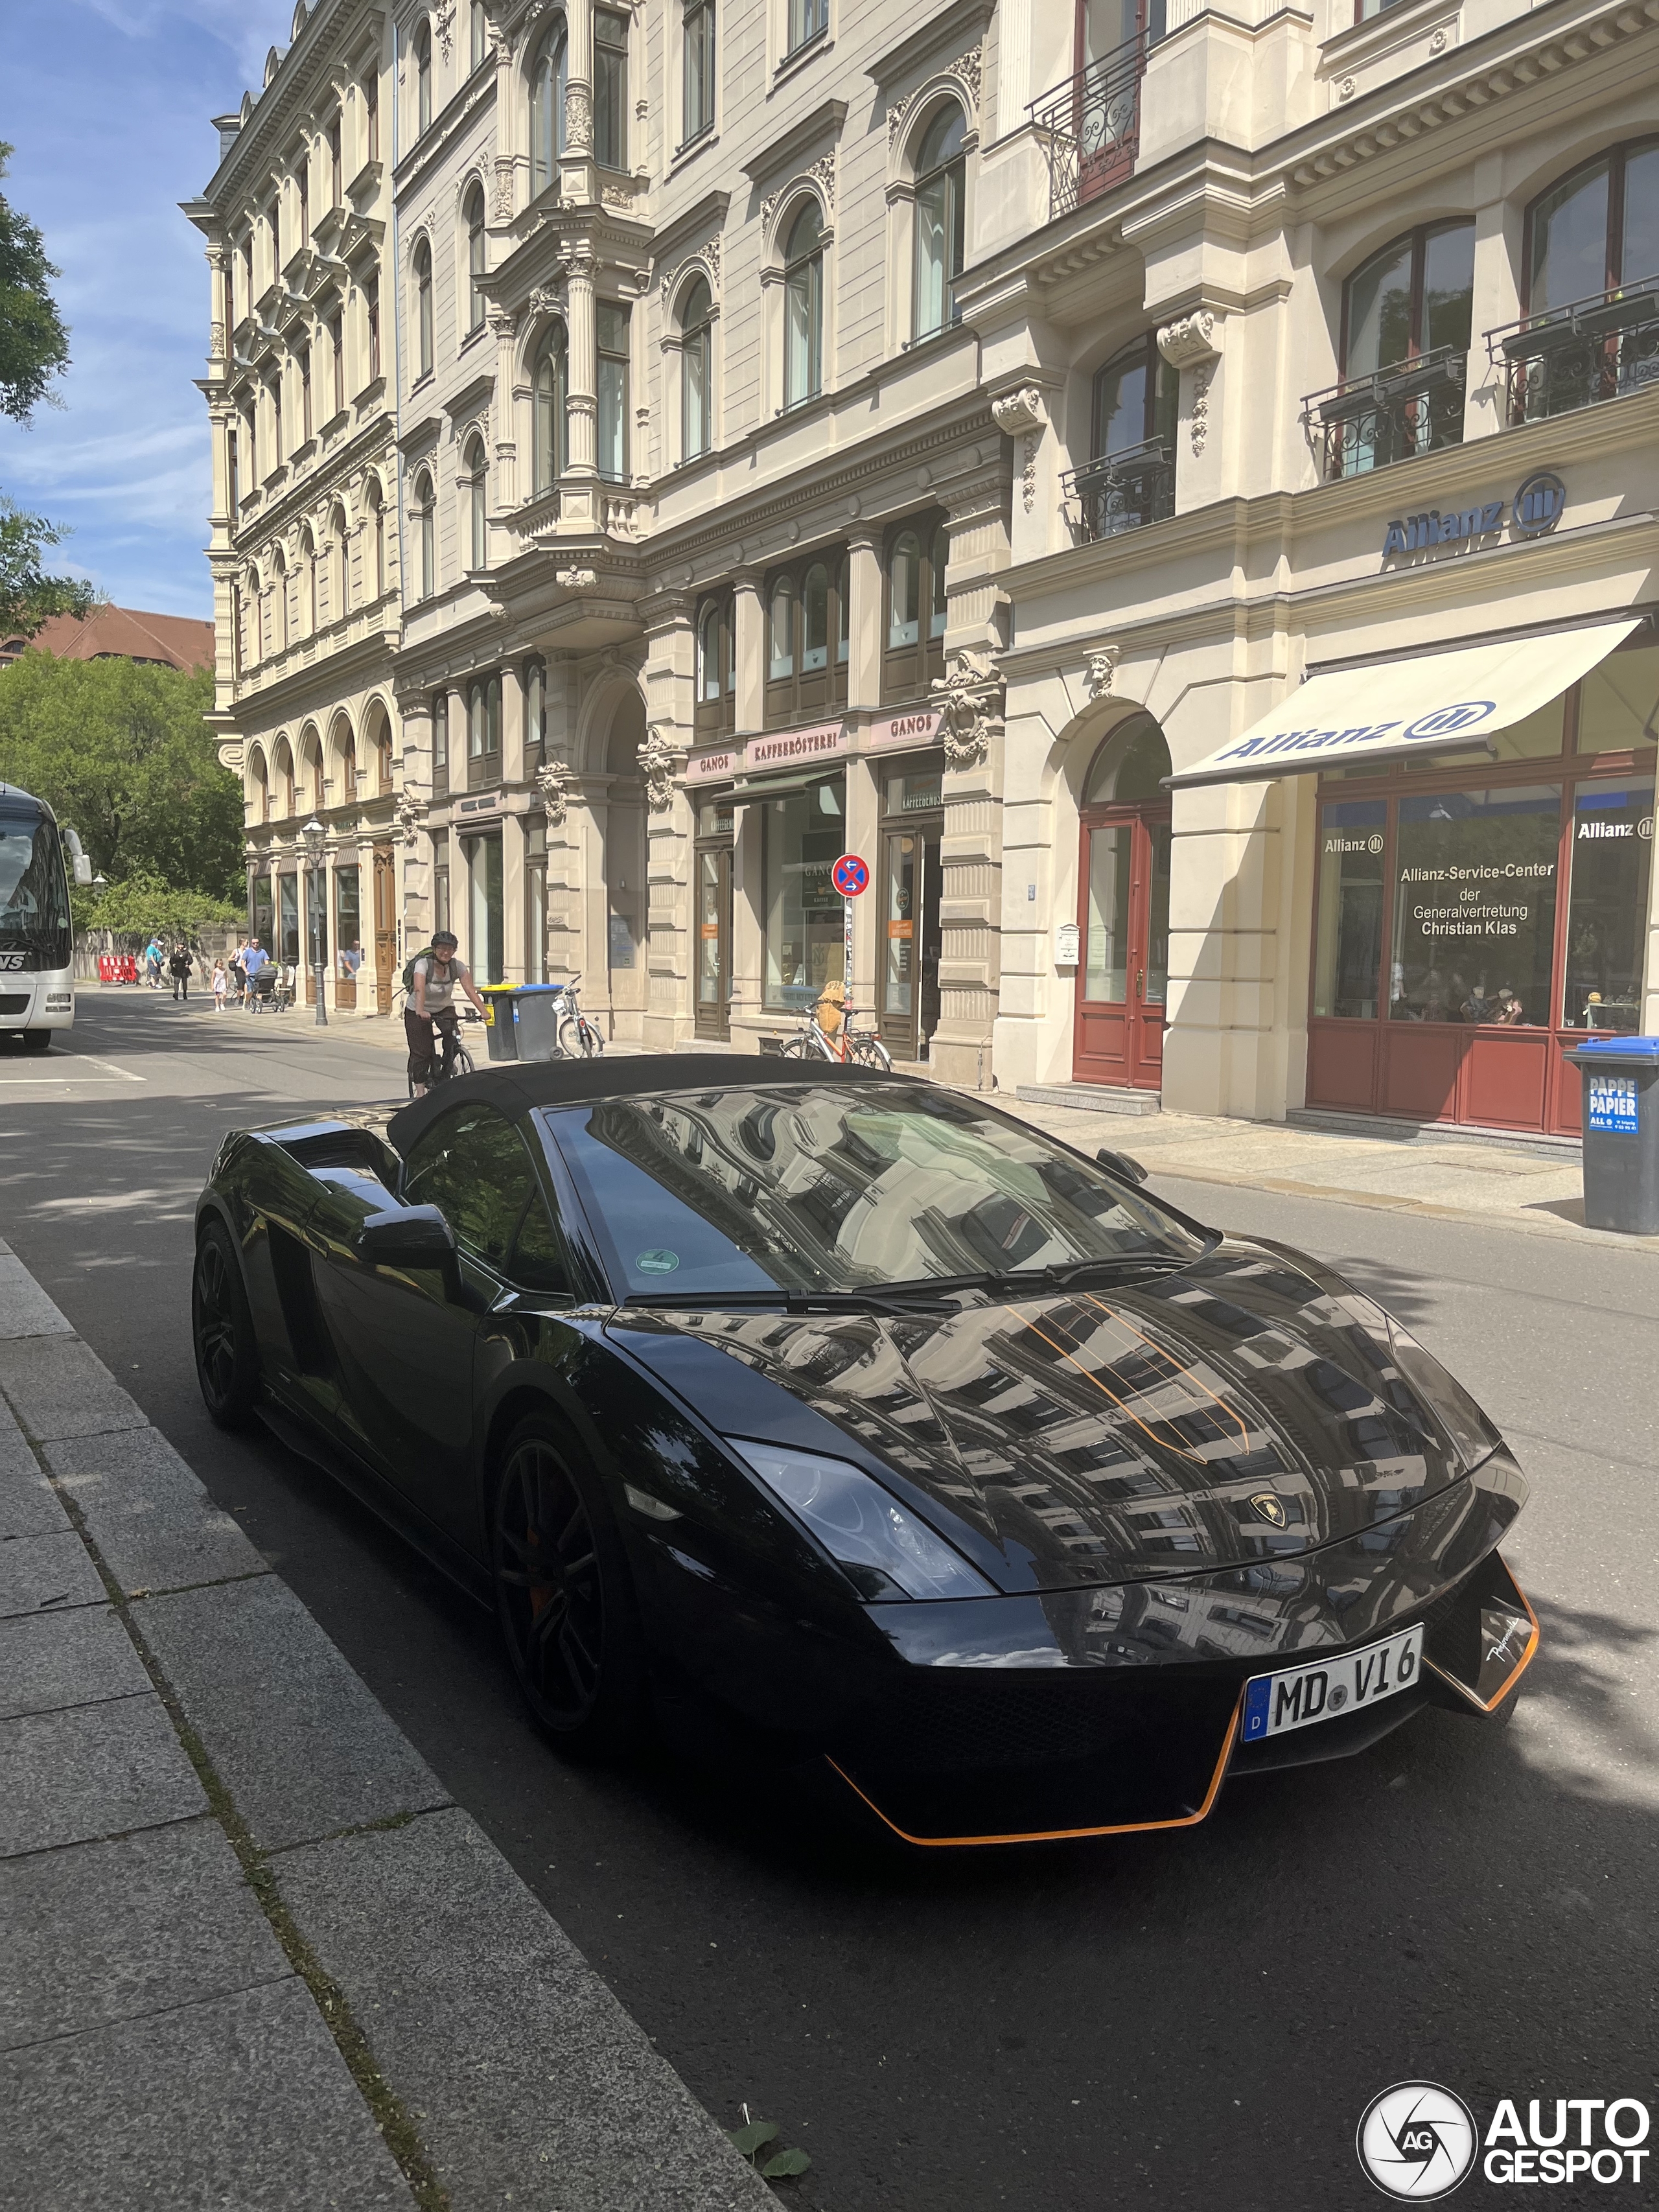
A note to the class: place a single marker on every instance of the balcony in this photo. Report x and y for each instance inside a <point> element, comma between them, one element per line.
<point>1580,355</point>
<point>1392,415</point>
<point>1118,492</point>
<point>1090,127</point>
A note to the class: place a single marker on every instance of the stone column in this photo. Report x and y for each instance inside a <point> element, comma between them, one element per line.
<point>579,502</point>
<point>670,826</point>
<point>504,414</point>
<point>513,724</point>
<point>513,842</point>
<point>576,163</point>
<point>864,572</point>
<point>749,647</point>
<point>748,1018</point>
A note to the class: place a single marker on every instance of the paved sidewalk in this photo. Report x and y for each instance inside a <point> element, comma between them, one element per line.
<point>255,1957</point>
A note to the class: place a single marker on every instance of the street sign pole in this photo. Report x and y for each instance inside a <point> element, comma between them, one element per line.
<point>847,979</point>
<point>851,877</point>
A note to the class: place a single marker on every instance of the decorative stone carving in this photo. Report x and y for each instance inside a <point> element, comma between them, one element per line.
<point>503,325</point>
<point>1101,670</point>
<point>822,174</point>
<point>711,254</point>
<point>552,781</point>
<point>407,816</point>
<point>578,118</point>
<point>658,757</point>
<point>1199,424</point>
<point>500,208</point>
<point>545,299</point>
<point>576,580</point>
<point>1023,411</point>
<point>616,195</point>
<point>969,68</point>
<point>444,22</point>
<point>970,701</point>
<point>216,338</point>
<point>1194,338</point>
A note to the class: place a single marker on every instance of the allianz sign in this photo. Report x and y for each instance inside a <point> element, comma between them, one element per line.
<point>1536,508</point>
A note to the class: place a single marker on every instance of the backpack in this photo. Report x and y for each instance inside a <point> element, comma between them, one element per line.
<point>408,969</point>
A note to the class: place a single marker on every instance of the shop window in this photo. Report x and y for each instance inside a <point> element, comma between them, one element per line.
<point>697,372</point>
<point>1129,479</point>
<point>803,948</point>
<point>941,189</point>
<point>484,948</point>
<point>1348,932</point>
<point>348,934</point>
<point>1474,905</point>
<point>547,89</point>
<point>1609,856</point>
<point>610,89</point>
<point>717,666</point>
<point>612,323</point>
<point>808,642</point>
<point>698,51</point>
<point>1406,319</point>
<point>1618,703</point>
<point>803,308</point>
<point>550,437</point>
<point>916,612</point>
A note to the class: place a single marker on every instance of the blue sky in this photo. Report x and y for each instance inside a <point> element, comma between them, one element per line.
<point>106,103</point>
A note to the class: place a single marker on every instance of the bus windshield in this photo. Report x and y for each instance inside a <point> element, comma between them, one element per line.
<point>35,912</point>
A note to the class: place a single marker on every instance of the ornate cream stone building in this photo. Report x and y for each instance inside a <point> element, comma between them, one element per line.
<point>812,428</point>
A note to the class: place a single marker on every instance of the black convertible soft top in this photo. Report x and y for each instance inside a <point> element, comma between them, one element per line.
<point>514,1086</point>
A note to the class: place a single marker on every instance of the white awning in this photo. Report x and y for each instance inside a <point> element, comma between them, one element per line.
<point>1389,710</point>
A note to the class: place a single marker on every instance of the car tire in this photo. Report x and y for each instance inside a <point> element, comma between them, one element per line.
<point>36,1040</point>
<point>565,1599</point>
<point>222,1332</point>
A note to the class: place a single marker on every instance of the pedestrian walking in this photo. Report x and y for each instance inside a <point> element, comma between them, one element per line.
<point>153,964</point>
<point>180,966</point>
<point>221,985</point>
<point>254,958</point>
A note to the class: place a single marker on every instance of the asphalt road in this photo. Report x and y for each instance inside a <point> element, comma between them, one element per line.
<point>1194,2019</point>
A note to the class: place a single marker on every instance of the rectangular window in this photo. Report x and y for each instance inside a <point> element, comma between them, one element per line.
<point>485,909</point>
<point>337,347</point>
<point>1474,905</point>
<point>535,709</point>
<point>612,325</point>
<point>808,19</point>
<point>305,394</point>
<point>287,947</point>
<point>440,740</point>
<point>372,120</point>
<point>805,836</point>
<point>699,36</point>
<point>1348,958</point>
<point>440,884</point>
<point>1609,862</point>
<point>371,325</point>
<point>610,89</point>
<point>336,177</point>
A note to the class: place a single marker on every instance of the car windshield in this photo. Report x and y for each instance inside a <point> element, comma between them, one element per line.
<point>34,902</point>
<point>821,1189</point>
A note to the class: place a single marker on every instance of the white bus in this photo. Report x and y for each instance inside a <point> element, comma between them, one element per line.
<point>37,943</point>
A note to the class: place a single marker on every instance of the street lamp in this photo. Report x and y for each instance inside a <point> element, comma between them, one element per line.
<point>316,837</point>
<point>100,882</point>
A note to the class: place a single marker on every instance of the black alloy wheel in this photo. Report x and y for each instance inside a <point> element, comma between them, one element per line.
<point>565,1599</point>
<point>221,1329</point>
<point>36,1040</point>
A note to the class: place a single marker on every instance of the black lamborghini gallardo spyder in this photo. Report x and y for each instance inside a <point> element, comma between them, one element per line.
<point>849,1412</point>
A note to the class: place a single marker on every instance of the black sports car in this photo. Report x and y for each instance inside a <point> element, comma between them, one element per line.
<point>850,1412</point>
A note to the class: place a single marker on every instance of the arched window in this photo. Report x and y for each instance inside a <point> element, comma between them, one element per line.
<point>477,504</point>
<point>253,643</point>
<point>717,669</point>
<point>346,752</point>
<point>610,89</point>
<point>426,532</point>
<point>697,370</point>
<point>549,441</point>
<point>781,632</point>
<point>375,502</point>
<point>477,258</point>
<point>1411,302</point>
<point>803,308</point>
<point>479,45</point>
<point>383,755</point>
<point>941,182</point>
<point>611,325</point>
<point>308,582</point>
<point>422,79</point>
<point>423,347</point>
<point>311,746</point>
<point>258,788</point>
<point>547,81</point>
<point>339,566</point>
<point>279,596</point>
<point>914,652</point>
<point>283,779</point>
<point>815,620</point>
<point>1597,231</point>
<point>1129,766</point>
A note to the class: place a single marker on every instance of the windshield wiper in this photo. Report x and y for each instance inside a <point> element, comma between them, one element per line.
<point>899,1299</point>
<point>1056,1276</point>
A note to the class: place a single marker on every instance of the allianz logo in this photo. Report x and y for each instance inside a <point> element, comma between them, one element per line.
<point>1371,844</point>
<point>1643,828</point>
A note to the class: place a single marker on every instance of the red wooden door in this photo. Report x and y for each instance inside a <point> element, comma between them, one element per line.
<point>1123,967</point>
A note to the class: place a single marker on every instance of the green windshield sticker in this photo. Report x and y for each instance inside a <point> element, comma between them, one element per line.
<point>657,1263</point>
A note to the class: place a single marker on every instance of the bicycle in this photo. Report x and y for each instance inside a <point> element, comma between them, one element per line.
<point>454,1059</point>
<point>578,1039</point>
<point>846,1046</point>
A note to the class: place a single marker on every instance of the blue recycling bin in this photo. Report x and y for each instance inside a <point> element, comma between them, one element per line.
<point>1621,1132</point>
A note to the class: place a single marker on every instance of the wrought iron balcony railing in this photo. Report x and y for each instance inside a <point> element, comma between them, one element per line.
<point>1580,355</point>
<point>1367,422</point>
<point>1089,126</point>
<point>1118,492</point>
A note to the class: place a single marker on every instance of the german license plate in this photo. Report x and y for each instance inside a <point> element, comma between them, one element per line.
<point>1328,1688</point>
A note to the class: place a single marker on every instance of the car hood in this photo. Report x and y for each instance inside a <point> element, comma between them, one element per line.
<point>1245,1408</point>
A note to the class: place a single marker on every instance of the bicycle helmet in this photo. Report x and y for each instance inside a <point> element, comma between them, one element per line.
<point>445,937</point>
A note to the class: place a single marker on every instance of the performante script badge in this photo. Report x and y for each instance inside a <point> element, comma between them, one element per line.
<point>1271,1509</point>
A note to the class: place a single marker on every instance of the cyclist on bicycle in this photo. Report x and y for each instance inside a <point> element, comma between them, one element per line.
<point>431,1011</point>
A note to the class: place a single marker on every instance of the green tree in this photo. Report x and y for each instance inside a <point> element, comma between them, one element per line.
<point>28,597</point>
<point>122,752</point>
<point>143,906</point>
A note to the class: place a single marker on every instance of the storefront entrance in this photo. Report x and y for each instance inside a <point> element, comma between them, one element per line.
<point>1474,921</point>
<point>385,927</point>
<point>1123,912</point>
<point>912,827</point>
<point>715,821</point>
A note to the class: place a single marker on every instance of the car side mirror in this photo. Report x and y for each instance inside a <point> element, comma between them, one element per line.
<point>406,1236</point>
<point>1120,1165</point>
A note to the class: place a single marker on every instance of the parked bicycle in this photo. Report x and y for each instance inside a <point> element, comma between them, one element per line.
<point>839,1040</point>
<point>578,1037</point>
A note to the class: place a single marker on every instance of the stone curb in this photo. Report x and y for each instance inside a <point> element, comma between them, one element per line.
<point>259,1955</point>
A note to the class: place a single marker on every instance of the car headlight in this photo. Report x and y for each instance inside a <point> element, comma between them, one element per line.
<point>885,1551</point>
<point>1469,1431</point>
